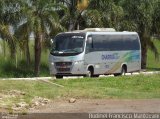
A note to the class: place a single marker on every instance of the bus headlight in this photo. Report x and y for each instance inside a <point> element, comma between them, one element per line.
<point>52,63</point>
<point>78,62</point>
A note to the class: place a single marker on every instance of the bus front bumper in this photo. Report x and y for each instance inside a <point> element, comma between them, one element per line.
<point>68,69</point>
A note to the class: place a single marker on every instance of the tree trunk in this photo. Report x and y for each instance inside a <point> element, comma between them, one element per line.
<point>4,49</point>
<point>28,57</point>
<point>38,47</point>
<point>12,52</point>
<point>76,24</point>
<point>12,47</point>
<point>144,53</point>
<point>71,25</point>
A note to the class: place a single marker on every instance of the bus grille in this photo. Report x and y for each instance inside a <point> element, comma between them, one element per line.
<point>63,63</point>
<point>63,66</point>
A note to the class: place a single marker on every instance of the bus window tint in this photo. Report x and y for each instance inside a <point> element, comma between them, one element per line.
<point>89,44</point>
<point>131,42</point>
<point>115,42</point>
<point>98,43</point>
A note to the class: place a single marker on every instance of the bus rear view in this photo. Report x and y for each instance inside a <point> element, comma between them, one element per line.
<point>94,53</point>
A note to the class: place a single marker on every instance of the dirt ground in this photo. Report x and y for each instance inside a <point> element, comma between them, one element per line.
<point>84,108</point>
<point>101,106</point>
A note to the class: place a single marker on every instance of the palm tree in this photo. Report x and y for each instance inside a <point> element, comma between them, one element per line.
<point>41,19</point>
<point>70,14</point>
<point>22,34</point>
<point>139,17</point>
<point>156,18</point>
<point>6,20</point>
<point>77,14</point>
<point>110,13</point>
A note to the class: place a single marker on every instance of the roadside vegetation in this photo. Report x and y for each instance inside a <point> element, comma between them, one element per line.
<point>152,64</point>
<point>124,87</point>
<point>43,19</point>
<point>11,69</point>
<point>19,68</point>
<point>22,57</point>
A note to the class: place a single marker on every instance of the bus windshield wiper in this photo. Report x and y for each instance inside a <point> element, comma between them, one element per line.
<point>71,51</point>
<point>56,52</point>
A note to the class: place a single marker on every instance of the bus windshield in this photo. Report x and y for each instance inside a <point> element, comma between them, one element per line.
<point>68,44</point>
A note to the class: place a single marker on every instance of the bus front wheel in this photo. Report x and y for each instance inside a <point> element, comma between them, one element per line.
<point>89,72</point>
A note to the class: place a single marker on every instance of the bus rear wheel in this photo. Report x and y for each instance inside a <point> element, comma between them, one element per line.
<point>95,76</point>
<point>59,76</point>
<point>123,71</point>
<point>117,74</point>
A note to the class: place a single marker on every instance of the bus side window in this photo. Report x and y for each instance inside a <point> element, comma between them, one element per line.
<point>89,45</point>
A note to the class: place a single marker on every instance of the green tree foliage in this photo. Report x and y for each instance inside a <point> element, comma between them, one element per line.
<point>6,19</point>
<point>156,18</point>
<point>41,19</point>
<point>71,15</point>
<point>110,13</point>
<point>45,18</point>
<point>140,16</point>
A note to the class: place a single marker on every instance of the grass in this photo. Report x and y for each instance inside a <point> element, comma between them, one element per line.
<point>113,87</point>
<point>126,87</point>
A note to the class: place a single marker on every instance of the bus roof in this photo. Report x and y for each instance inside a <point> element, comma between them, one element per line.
<point>102,32</point>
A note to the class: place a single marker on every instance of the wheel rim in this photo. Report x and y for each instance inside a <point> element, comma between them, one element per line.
<point>123,72</point>
<point>89,73</point>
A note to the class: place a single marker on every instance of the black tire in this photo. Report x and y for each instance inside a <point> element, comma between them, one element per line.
<point>89,73</point>
<point>117,74</point>
<point>59,76</point>
<point>123,72</point>
<point>95,75</point>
